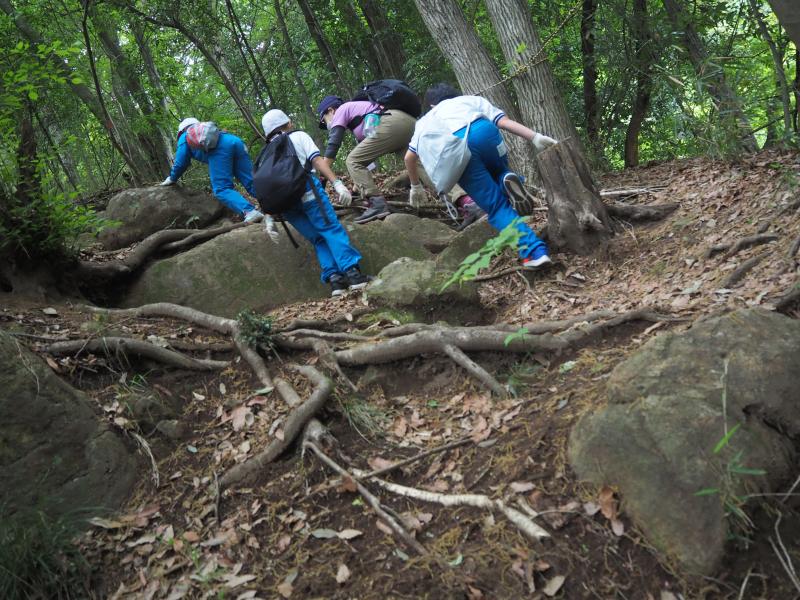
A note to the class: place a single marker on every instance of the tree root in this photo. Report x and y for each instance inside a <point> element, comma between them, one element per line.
<point>731,249</point>
<point>474,369</point>
<point>640,212</point>
<point>793,248</point>
<point>116,346</point>
<point>323,323</point>
<point>293,426</point>
<point>202,236</point>
<point>522,521</point>
<point>788,299</point>
<point>370,498</point>
<point>736,276</point>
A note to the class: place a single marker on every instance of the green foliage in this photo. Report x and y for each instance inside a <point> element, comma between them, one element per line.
<point>256,329</point>
<point>517,335</point>
<point>38,557</point>
<point>363,416</point>
<point>472,265</point>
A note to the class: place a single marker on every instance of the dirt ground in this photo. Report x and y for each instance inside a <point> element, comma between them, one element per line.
<point>297,532</point>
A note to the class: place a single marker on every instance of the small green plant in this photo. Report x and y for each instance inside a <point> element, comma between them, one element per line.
<point>472,265</point>
<point>38,557</point>
<point>366,418</point>
<point>256,329</point>
<point>521,375</point>
<point>517,335</point>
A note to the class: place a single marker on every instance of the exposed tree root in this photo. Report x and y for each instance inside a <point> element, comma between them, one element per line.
<point>738,274</point>
<point>640,212</point>
<point>201,236</point>
<point>788,299</point>
<point>732,248</point>
<point>793,248</point>
<point>627,193</point>
<point>474,369</point>
<point>120,346</point>
<point>293,426</point>
<point>323,323</point>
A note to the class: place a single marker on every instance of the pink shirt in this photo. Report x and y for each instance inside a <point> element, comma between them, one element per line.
<point>350,110</point>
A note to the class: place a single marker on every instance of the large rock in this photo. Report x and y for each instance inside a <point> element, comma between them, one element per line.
<point>143,211</point>
<point>464,243</point>
<point>434,236</point>
<point>54,452</point>
<point>243,269</point>
<point>667,406</point>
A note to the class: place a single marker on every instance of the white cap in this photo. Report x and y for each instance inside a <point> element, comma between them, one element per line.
<point>186,123</point>
<point>273,119</point>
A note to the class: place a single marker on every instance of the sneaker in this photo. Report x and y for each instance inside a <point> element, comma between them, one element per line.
<point>539,259</point>
<point>253,216</point>
<point>338,283</point>
<point>378,209</point>
<point>521,199</point>
<point>356,279</point>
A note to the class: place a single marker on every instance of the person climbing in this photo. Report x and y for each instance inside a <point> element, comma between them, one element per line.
<point>486,176</point>
<point>396,108</point>
<point>313,215</point>
<point>226,159</point>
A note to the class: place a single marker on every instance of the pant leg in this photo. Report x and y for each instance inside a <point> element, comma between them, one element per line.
<point>482,180</point>
<point>243,167</point>
<point>331,242</point>
<point>221,161</point>
<point>392,135</point>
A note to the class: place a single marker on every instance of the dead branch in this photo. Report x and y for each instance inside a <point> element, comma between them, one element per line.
<point>742,270</point>
<point>293,426</point>
<point>746,242</point>
<point>370,498</point>
<point>640,212</point>
<point>474,369</point>
<point>116,346</point>
<point>625,193</point>
<point>327,335</point>
<point>202,236</point>
<point>500,273</point>
<point>522,521</point>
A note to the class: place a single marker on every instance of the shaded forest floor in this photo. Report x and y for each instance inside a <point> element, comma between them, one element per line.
<point>287,534</point>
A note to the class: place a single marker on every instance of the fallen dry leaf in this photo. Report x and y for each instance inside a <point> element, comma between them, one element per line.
<point>617,527</point>
<point>553,585</point>
<point>342,573</point>
<point>349,534</point>
<point>376,463</point>
<point>520,487</point>
<point>608,505</point>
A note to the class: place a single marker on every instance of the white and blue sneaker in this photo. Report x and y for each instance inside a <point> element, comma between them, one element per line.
<point>537,260</point>
<point>521,199</point>
<point>253,216</point>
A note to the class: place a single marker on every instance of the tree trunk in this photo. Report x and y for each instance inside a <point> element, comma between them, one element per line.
<point>789,18</point>
<point>577,219</point>
<point>54,148</point>
<point>590,76</point>
<point>796,89</point>
<point>324,47</point>
<point>643,64</point>
<point>386,42</point>
<point>474,68</point>
<point>241,43</point>
<point>777,60</point>
<point>29,185</point>
<point>729,105</point>
<point>539,98</point>
<point>359,37</point>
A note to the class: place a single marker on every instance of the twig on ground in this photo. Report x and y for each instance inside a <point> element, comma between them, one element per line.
<point>783,555</point>
<point>791,489</point>
<point>498,274</point>
<point>149,453</point>
<point>738,274</point>
<point>115,346</point>
<point>370,498</point>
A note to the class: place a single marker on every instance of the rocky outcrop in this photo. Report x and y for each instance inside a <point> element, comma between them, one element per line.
<point>55,453</point>
<point>670,405</point>
<point>142,211</point>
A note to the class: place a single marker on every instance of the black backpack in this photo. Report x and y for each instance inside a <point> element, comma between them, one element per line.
<point>392,93</point>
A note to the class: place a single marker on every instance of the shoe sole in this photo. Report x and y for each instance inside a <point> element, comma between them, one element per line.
<point>358,286</point>
<point>533,267</point>
<point>337,293</point>
<point>521,199</point>
<point>382,215</point>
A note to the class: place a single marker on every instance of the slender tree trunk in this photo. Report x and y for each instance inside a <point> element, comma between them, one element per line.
<point>386,42</point>
<point>359,35</point>
<point>241,41</point>
<point>256,65</point>
<point>789,17</point>
<point>729,104</point>
<point>29,185</point>
<point>796,89</point>
<point>315,29</point>
<point>590,106</point>
<point>307,106</point>
<point>54,148</point>
<point>643,63</point>
<point>777,60</point>
<point>474,68</point>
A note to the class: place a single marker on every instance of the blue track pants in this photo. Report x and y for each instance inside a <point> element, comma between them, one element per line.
<point>229,159</point>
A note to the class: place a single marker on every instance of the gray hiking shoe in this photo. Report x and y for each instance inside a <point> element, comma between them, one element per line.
<point>521,199</point>
<point>356,280</point>
<point>378,209</point>
<point>339,284</point>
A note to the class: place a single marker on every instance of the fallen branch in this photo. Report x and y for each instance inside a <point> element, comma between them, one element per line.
<point>746,242</point>
<point>522,521</point>
<point>736,276</point>
<point>641,212</point>
<point>115,346</point>
<point>292,427</point>
<point>370,498</point>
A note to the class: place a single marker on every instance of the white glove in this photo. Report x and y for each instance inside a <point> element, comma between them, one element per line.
<point>270,229</point>
<point>345,197</point>
<point>167,181</point>
<point>542,142</point>
<point>417,195</point>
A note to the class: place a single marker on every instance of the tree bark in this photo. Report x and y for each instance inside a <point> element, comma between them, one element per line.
<point>386,42</point>
<point>474,68</point>
<point>577,219</point>
<point>643,64</point>
<point>789,18</point>
<point>729,105</point>
<point>590,76</point>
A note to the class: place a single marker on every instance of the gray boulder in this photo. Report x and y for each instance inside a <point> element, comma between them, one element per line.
<point>143,211</point>
<point>669,406</point>
<point>464,243</point>
<point>54,451</point>
<point>432,235</point>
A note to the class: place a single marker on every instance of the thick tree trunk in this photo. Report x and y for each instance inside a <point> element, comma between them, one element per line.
<point>729,105</point>
<point>643,63</point>
<point>540,100</point>
<point>474,68</point>
<point>386,42</point>
<point>590,106</point>
<point>324,47</point>
<point>577,219</point>
<point>789,17</point>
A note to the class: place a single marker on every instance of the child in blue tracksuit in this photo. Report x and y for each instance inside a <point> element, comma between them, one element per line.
<point>337,258</point>
<point>228,159</point>
<point>486,178</point>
